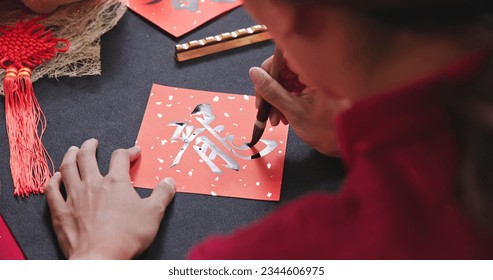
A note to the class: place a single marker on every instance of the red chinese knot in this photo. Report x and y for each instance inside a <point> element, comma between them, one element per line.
<point>28,44</point>
<point>23,47</point>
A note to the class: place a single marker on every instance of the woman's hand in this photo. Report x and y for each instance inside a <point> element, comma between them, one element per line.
<point>45,6</point>
<point>309,112</point>
<point>103,217</point>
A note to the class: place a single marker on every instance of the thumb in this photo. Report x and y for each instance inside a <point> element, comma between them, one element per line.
<point>134,153</point>
<point>270,90</point>
<point>164,193</point>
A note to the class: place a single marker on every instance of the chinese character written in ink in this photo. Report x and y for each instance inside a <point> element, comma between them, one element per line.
<point>205,148</point>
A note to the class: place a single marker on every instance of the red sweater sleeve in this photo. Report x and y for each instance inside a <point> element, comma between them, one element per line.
<point>292,232</point>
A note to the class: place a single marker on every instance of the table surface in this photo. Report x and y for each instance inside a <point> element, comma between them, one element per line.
<point>110,107</point>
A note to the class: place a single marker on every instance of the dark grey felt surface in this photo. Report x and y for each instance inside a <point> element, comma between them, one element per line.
<point>110,107</point>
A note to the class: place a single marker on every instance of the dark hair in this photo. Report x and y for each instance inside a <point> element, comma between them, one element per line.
<point>471,107</point>
<point>433,16</point>
<point>426,15</point>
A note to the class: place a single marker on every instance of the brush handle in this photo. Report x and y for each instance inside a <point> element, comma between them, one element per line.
<point>263,111</point>
<point>265,107</point>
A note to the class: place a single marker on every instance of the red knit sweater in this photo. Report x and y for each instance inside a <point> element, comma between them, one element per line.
<point>397,201</point>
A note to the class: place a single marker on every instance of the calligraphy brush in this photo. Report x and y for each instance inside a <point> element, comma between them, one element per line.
<point>264,108</point>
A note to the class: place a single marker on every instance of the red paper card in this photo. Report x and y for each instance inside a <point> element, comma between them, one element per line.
<point>178,17</point>
<point>9,249</point>
<point>199,138</point>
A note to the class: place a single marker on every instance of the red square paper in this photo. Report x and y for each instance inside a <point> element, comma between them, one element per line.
<point>199,138</point>
<point>178,17</point>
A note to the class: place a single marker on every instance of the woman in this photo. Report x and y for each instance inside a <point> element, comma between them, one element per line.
<point>406,87</point>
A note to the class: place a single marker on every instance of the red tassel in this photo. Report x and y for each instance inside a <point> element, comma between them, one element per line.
<point>26,124</point>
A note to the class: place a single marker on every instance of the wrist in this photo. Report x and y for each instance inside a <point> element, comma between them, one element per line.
<point>90,256</point>
<point>112,252</point>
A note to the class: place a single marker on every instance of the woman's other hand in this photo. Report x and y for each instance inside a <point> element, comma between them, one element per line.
<point>103,217</point>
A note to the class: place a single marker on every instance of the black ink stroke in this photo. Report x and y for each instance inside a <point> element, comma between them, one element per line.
<point>152,2</point>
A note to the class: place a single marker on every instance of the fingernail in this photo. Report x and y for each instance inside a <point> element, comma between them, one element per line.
<point>170,183</point>
<point>135,148</point>
<point>256,74</point>
<point>73,148</point>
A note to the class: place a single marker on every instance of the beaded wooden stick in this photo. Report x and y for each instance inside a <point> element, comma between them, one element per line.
<point>222,42</point>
